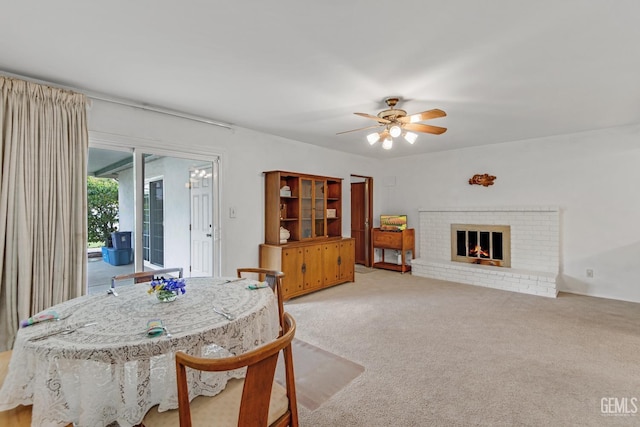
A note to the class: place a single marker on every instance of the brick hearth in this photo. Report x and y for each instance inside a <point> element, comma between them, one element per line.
<point>535,248</point>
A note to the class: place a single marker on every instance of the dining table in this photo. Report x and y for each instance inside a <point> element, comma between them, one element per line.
<point>98,364</point>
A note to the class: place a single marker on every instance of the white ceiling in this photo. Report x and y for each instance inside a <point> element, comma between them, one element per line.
<point>503,70</point>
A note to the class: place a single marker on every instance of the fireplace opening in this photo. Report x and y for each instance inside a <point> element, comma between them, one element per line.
<point>481,244</point>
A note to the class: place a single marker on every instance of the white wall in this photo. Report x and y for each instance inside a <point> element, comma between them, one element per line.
<point>244,156</point>
<point>592,176</point>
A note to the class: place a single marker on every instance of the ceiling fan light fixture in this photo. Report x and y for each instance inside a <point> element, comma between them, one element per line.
<point>410,137</point>
<point>373,138</point>
<point>395,131</point>
<point>395,122</point>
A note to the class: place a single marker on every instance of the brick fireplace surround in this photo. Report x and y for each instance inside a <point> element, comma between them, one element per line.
<point>535,248</point>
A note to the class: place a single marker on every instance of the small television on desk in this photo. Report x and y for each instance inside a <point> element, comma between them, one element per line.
<point>393,222</point>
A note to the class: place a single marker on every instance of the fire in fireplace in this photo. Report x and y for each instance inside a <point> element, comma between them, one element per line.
<point>481,244</point>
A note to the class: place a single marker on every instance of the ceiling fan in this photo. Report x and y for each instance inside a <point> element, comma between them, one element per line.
<point>396,122</point>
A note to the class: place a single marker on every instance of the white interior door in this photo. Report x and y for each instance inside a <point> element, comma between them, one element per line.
<point>201,222</point>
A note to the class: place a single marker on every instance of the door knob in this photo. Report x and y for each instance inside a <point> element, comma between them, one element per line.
<point>208,234</point>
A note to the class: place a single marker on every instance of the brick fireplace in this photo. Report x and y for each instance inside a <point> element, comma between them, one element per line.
<point>527,259</point>
<point>481,244</point>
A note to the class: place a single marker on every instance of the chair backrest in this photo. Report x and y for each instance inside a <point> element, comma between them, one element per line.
<point>256,394</point>
<point>145,276</point>
<point>274,280</point>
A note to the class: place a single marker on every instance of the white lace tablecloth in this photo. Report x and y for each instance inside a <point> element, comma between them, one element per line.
<point>112,371</point>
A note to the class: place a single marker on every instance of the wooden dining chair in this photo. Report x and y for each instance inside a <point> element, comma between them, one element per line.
<point>255,401</point>
<point>274,280</point>
<point>144,276</point>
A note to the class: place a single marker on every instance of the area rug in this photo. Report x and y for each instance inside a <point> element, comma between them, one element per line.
<point>363,270</point>
<point>319,374</point>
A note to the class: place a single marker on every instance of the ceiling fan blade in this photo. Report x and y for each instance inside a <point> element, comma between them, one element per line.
<point>425,115</point>
<point>376,118</point>
<point>354,130</point>
<point>417,127</point>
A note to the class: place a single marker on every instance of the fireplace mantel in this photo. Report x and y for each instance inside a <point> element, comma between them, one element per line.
<point>493,209</point>
<point>535,247</point>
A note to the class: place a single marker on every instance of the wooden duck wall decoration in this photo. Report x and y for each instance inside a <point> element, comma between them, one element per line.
<point>482,179</point>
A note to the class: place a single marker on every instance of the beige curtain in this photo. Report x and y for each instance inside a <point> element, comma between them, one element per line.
<point>43,208</point>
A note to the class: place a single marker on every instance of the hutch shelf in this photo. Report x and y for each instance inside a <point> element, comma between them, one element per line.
<point>309,208</point>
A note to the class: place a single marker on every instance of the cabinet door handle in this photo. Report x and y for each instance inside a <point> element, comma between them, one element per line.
<point>304,268</point>
<point>339,260</point>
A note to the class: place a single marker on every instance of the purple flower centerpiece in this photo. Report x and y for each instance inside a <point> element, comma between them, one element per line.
<point>167,290</point>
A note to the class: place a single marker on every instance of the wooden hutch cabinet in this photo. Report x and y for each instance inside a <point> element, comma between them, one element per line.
<point>338,261</point>
<point>308,206</point>
<point>315,255</point>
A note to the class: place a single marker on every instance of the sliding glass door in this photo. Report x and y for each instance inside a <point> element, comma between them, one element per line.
<point>109,204</point>
<point>153,222</point>
<point>167,207</point>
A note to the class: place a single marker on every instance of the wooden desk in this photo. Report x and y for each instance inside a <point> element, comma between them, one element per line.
<point>399,240</point>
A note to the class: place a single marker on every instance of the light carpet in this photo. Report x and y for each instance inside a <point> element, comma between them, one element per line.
<point>319,374</point>
<point>363,269</point>
<point>439,353</point>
